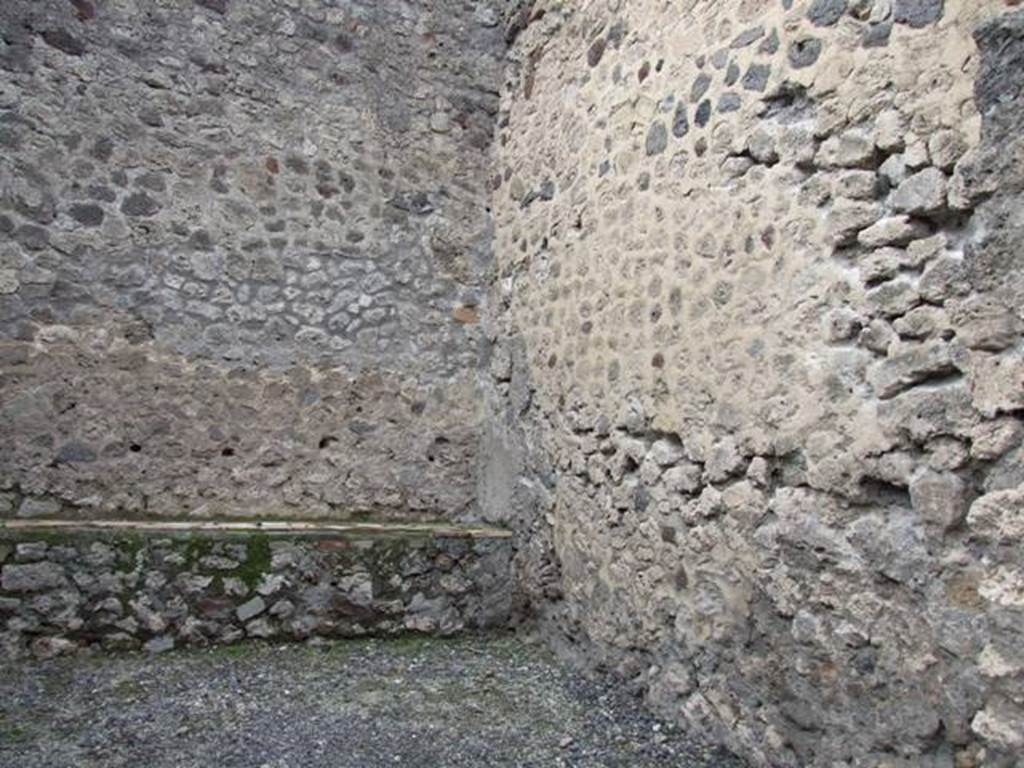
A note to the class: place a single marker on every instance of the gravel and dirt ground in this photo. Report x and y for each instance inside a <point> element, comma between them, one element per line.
<point>491,702</point>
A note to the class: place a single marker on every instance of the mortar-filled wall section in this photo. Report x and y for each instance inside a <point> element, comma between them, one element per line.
<point>758,323</point>
<point>242,246</point>
<point>65,590</point>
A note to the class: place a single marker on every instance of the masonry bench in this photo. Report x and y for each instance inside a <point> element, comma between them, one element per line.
<point>66,585</point>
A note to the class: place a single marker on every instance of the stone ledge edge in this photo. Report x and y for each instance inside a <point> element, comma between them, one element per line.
<point>430,530</point>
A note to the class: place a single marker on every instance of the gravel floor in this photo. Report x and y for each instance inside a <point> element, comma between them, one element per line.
<point>469,702</point>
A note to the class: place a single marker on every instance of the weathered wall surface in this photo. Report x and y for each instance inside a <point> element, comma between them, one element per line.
<point>241,249</point>
<point>753,348</point>
<point>62,591</point>
<point>758,366</point>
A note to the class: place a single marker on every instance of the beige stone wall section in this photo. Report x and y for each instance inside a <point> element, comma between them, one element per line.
<point>731,239</point>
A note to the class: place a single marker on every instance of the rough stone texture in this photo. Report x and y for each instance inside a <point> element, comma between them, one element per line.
<point>825,13</point>
<point>922,194</point>
<point>248,243</point>
<point>746,381</point>
<point>917,13</point>
<point>65,592</point>
<point>815,300</point>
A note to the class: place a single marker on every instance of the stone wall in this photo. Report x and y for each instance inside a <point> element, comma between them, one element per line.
<point>751,338</point>
<point>757,372</point>
<point>242,246</point>
<point>62,591</point>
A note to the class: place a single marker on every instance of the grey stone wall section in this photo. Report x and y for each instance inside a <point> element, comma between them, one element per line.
<point>242,246</point>
<point>994,264</point>
<point>65,592</point>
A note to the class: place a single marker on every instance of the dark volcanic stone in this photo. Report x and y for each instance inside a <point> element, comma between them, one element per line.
<point>770,44</point>
<point>596,52</point>
<point>86,10</point>
<point>999,89</point>
<point>825,13</point>
<point>87,214</point>
<point>877,35</point>
<point>201,240</point>
<point>344,43</point>
<point>703,113</point>
<point>218,6</point>
<point>103,149</point>
<point>413,202</point>
<point>151,117</point>
<point>756,78</point>
<point>617,34</point>
<point>803,53</point>
<point>732,74</point>
<point>152,181</point>
<point>99,192</point>
<point>996,261</point>
<point>33,238</point>
<point>64,41</point>
<point>680,123</point>
<point>729,102</point>
<point>139,204</point>
<point>700,87</point>
<point>76,452</point>
<point>657,139</point>
<point>748,37</point>
<point>916,13</point>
